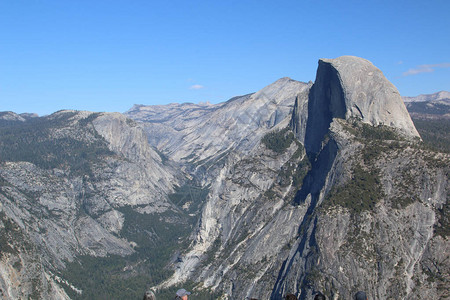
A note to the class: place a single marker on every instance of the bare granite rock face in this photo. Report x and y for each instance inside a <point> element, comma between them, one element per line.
<point>73,208</point>
<point>351,87</point>
<point>354,127</point>
<point>9,116</point>
<point>296,188</point>
<point>200,133</point>
<point>368,95</point>
<point>22,271</point>
<point>379,238</point>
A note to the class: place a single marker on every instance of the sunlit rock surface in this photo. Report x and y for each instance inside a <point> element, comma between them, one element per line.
<point>309,187</point>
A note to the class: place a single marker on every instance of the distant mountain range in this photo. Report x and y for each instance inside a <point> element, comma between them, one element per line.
<point>430,106</point>
<point>296,188</point>
<point>431,116</point>
<point>442,95</point>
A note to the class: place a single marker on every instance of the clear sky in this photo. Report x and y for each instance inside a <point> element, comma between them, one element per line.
<point>108,55</point>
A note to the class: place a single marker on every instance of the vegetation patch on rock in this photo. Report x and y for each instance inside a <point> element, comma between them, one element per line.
<point>362,192</point>
<point>40,145</point>
<point>278,140</point>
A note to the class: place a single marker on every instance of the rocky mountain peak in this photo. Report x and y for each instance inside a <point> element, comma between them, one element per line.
<point>9,116</point>
<point>280,89</point>
<point>351,87</point>
<point>284,190</point>
<point>368,94</point>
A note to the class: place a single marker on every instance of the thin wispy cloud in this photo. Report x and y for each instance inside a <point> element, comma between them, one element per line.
<point>425,69</point>
<point>196,87</point>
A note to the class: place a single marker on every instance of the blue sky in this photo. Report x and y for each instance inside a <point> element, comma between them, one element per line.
<point>108,55</point>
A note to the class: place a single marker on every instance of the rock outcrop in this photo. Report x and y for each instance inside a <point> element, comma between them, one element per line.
<point>346,120</point>
<point>67,200</point>
<point>10,117</point>
<point>351,87</point>
<point>296,188</point>
<point>200,136</point>
<point>370,229</point>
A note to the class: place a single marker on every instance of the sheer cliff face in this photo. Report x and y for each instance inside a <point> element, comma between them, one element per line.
<point>351,87</point>
<point>192,133</point>
<point>361,218</point>
<point>309,187</point>
<point>375,223</point>
<point>368,95</point>
<point>65,201</point>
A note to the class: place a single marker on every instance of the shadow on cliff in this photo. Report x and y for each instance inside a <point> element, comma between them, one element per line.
<point>326,101</point>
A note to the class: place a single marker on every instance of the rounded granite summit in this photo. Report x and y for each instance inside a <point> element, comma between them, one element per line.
<point>367,93</point>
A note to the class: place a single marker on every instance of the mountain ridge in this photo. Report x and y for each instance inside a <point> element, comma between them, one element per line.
<point>428,97</point>
<point>296,188</point>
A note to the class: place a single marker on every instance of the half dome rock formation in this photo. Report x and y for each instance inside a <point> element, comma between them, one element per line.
<point>265,226</point>
<point>351,87</point>
<point>291,189</point>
